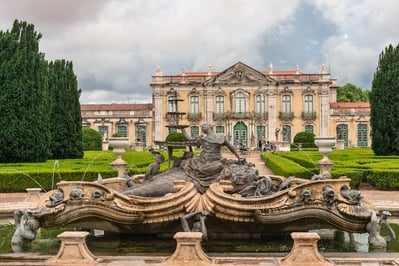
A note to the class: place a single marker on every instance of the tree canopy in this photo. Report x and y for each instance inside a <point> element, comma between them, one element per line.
<point>39,102</point>
<point>24,105</point>
<point>384,101</point>
<point>351,93</point>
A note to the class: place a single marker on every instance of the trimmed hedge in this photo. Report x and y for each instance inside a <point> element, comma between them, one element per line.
<point>358,164</point>
<point>17,177</point>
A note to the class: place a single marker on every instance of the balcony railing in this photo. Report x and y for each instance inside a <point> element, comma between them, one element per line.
<point>194,116</point>
<point>241,115</point>
<point>260,116</point>
<point>286,115</point>
<point>309,115</point>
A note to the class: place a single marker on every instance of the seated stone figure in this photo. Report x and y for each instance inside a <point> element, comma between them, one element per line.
<point>205,168</point>
<point>202,170</point>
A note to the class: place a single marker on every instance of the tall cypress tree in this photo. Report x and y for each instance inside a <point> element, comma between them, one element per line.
<point>66,120</point>
<point>384,100</point>
<point>24,120</point>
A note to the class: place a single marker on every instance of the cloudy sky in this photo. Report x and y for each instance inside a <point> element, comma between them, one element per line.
<point>115,45</point>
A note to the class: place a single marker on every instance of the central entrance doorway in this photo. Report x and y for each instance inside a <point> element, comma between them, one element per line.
<point>240,133</point>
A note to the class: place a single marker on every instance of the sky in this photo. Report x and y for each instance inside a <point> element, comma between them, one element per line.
<point>115,45</point>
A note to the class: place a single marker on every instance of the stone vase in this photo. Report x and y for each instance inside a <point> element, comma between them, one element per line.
<point>119,144</point>
<point>325,145</point>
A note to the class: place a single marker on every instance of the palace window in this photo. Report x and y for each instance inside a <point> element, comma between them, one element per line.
<point>194,130</point>
<point>172,104</point>
<point>286,104</point>
<point>219,104</point>
<point>219,130</point>
<point>240,103</point>
<point>308,103</point>
<point>309,128</point>
<point>260,103</point>
<point>122,130</point>
<point>194,105</point>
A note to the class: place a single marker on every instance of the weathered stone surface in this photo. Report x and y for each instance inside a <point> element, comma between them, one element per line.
<point>73,250</point>
<point>304,252</point>
<point>188,250</point>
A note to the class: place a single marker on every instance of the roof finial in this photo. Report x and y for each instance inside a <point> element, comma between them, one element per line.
<point>271,68</point>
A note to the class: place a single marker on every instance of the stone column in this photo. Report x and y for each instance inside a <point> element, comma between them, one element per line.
<point>324,111</point>
<point>272,112</point>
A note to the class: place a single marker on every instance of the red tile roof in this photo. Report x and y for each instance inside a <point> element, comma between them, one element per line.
<point>350,105</point>
<point>117,107</point>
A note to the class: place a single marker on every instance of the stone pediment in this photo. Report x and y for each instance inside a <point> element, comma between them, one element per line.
<point>240,73</point>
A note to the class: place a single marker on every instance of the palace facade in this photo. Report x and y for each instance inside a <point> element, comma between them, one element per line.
<point>245,104</point>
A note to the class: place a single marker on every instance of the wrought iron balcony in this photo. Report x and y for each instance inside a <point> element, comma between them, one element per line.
<point>261,116</point>
<point>286,115</point>
<point>241,115</point>
<point>194,116</point>
<point>309,115</point>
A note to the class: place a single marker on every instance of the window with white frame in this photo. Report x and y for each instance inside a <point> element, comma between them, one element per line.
<point>260,103</point>
<point>194,104</point>
<point>308,103</point>
<point>219,104</point>
<point>240,103</point>
<point>286,104</point>
<point>172,104</point>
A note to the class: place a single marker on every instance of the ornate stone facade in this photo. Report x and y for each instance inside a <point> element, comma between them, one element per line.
<point>249,105</point>
<point>241,102</point>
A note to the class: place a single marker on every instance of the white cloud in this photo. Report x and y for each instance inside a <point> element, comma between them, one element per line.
<point>116,44</point>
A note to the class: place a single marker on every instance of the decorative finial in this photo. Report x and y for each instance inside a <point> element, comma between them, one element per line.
<point>271,68</point>
<point>209,70</point>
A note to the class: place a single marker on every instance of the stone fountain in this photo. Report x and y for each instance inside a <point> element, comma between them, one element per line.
<point>208,193</point>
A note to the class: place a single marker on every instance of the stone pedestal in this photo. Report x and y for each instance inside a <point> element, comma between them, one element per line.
<point>73,250</point>
<point>105,145</point>
<point>340,145</point>
<point>304,252</point>
<point>188,250</point>
<point>285,146</point>
<point>33,195</point>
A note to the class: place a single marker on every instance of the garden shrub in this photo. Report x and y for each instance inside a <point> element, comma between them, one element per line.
<point>91,139</point>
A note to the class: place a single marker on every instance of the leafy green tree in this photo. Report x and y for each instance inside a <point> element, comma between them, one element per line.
<point>306,139</point>
<point>91,139</point>
<point>351,93</point>
<point>24,99</point>
<point>384,101</point>
<point>66,120</point>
